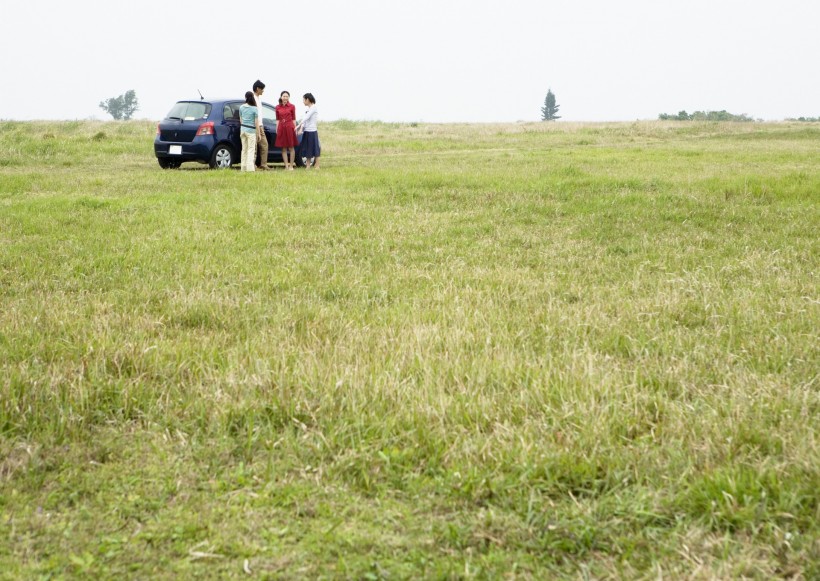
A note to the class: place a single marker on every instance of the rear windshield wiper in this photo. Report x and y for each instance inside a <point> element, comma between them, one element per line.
<point>177,118</point>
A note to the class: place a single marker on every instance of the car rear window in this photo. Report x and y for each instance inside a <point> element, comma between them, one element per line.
<point>188,111</point>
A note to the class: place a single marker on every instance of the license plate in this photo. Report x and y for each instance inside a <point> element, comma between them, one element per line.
<point>175,150</point>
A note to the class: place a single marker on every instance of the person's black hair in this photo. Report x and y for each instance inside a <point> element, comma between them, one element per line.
<point>258,85</point>
<point>280,96</point>
<point>309,97</point>
<point>250,98</point>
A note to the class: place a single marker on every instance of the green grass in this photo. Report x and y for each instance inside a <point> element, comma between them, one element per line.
<point>457,351</point>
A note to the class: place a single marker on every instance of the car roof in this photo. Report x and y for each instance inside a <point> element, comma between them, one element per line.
<point>207,101</point>
<point>217,101</point>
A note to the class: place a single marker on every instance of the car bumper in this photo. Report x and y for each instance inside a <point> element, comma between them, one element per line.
<point>197,150</point>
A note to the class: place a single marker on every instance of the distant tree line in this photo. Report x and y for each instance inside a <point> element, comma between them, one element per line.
<point>705,116</point>
<point>805,119</point>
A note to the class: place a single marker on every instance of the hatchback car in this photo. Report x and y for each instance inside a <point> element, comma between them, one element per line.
<point>208,132</point>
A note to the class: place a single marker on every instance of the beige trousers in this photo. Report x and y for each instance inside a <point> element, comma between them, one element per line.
<point>262,145</point>
<point>248,150</point>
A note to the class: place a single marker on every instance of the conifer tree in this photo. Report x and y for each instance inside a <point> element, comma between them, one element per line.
<point>549,112</point>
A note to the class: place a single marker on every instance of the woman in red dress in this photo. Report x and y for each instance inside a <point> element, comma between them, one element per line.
<point>286,129</point>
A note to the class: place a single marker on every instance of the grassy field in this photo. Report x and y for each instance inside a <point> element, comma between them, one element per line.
<point>456,351</point>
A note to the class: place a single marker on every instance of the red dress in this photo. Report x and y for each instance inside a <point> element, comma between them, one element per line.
<point>286,128</point>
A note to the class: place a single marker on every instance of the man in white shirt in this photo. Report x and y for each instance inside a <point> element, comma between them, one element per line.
<point>261,140</point>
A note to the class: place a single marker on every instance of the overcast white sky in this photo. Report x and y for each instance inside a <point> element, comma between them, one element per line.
<point>419,60</point>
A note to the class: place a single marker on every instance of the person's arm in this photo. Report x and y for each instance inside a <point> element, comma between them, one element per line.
<point>309,115</point>
<point>258,113</point>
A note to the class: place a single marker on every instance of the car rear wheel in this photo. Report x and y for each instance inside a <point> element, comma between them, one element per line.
<point>166,163</point>
<point>300,161</point>
<point>222,157</point>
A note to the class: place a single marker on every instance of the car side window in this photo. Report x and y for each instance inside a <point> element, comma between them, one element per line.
<point>269,115</point>
<point>230,112</point>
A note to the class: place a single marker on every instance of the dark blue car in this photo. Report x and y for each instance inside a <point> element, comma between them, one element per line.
<point>208,132</point>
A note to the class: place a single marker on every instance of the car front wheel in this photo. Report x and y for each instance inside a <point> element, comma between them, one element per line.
<point>300,161</point>
<point>222,157</point>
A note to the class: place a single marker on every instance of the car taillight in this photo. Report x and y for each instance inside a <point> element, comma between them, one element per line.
<point>206,129</point>
<point>157,128</point>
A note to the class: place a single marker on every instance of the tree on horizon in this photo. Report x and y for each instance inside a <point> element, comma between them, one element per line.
<point>550,109</point>
<point>122,107</point>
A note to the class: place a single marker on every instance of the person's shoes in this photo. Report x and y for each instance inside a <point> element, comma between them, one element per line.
<point>262,168</point>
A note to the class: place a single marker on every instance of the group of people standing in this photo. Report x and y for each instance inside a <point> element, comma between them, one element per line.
<point>252,134</point>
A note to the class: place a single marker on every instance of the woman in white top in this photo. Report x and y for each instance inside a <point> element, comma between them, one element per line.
<point>310,147</point>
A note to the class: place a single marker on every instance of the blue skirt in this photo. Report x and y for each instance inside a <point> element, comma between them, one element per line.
<point>310,145</point>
